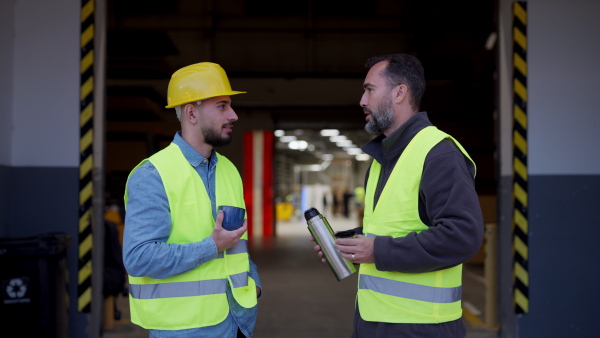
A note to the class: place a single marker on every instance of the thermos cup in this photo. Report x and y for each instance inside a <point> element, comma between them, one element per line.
<point>233,217</point>
<point>321,231</point>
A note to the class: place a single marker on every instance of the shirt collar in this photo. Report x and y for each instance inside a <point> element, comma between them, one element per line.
<point>190,154</point>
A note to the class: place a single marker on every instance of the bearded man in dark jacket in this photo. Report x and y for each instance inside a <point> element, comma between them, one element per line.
<point>410,268</point>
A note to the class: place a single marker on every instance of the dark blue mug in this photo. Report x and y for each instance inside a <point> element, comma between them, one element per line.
<point>233,217</point>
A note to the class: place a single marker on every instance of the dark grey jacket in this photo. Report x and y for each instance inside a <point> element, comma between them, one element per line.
<point>448,205</point>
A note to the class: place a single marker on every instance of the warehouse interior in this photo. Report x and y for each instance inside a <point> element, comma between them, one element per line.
<point>302,65</point>
<point>82,88</point>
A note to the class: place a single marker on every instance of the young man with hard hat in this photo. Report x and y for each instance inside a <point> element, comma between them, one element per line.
<point>188,276</point>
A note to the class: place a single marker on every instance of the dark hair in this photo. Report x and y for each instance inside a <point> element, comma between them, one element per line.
<point>403,69</point>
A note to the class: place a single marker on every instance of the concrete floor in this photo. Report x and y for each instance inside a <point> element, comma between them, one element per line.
<point>301,297</point>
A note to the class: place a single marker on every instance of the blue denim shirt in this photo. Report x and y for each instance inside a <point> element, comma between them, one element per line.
<point>147,228</point>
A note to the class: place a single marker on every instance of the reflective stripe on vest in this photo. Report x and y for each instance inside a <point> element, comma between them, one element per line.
<point>189,295</point>
<point>179,289</point>
<point>410,290</point>
<point>239,280</point>
<point>396,297</point>
<point>240,247</point>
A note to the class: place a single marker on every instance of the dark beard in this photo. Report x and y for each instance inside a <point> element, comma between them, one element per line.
<point>214,139</point>
<point>385,117</point>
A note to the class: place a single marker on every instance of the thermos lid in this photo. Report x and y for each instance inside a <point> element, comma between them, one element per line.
<point>310,213</point>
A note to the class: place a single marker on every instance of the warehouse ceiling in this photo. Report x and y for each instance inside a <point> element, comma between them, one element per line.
<point>302,61</point>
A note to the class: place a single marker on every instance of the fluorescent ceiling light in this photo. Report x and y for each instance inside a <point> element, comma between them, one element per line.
<point>491,41</point>
<point>353,151</point>
<point>327,157</point>
<point>362,157</point>
<point>279,133</point>
<point>314,167</point>
<point>300,145</point>
<point>289,138</point>
<point>330,132</point>
<point>338,138</point>
<point>346,143</point>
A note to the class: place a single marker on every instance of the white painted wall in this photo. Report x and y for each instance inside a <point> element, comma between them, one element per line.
<point>563,132</point>
<point>7,39</point>
<point>45,112</point>
<point>564,73</point>
<point>563,87</point>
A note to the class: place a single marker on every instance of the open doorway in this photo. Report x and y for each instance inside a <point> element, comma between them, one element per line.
<point>320,168</point>
<point>302,65</point>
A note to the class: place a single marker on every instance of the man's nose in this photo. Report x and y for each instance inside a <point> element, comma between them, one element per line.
<point>363,101</point>
<point>232,116</point>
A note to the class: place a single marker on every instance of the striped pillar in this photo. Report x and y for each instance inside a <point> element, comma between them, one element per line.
<point>258,182</point>
<point>86,129</point>
<point>520,197</point>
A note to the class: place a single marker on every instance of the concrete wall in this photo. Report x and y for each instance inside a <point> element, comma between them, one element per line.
<point>45,111</point>
<point>564,166</point>
<point>564,170</point>
<point>46,68</point>
<point>7,37</point>
<point>563,82</point>
<point>4,202</point>
<point>39,127</point>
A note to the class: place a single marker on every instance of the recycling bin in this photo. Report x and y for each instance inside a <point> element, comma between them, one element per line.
<point>33,277</point>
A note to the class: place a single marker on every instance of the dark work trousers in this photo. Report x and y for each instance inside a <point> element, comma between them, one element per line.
<point>364,329</point>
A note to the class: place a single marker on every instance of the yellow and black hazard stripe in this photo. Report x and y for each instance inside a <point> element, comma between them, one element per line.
<point>520,197</point>
<point>86,160</point>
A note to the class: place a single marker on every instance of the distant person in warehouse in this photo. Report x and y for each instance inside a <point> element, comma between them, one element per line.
<point>346,196</point>
<point>359,203</point>
<point>188,276</point>
<point>422,216</point>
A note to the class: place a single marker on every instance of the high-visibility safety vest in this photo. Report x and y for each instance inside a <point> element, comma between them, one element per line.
<point>198,297</point>
<point>397,297</point>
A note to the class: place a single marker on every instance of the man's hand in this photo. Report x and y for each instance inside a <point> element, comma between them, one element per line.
<point>225,239</point>
<point>357,250</point>
<point>318,249</point>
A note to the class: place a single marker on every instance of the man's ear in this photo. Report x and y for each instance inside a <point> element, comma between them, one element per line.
<point>399,93</point>
<point>190,113</point>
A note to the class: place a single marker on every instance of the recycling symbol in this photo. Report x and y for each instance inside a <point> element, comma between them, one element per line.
<point>16,288</point>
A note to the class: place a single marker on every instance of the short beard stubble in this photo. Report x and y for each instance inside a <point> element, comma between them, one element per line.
<point>381,118</point>
<point>213,138</point>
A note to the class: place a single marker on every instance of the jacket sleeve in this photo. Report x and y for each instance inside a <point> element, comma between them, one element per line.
<point>449,205</point>
<point>254,275</point>
<point>147,229</point>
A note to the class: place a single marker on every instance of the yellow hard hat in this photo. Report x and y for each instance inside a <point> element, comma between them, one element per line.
<point>198,82</point>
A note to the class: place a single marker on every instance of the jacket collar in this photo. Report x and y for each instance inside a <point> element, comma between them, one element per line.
<point>383,148</point>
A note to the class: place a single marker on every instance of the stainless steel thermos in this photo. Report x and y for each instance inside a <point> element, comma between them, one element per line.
<point>321,231</point>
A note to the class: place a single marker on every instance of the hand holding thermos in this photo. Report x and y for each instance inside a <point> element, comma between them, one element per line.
<point>322,234</point>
